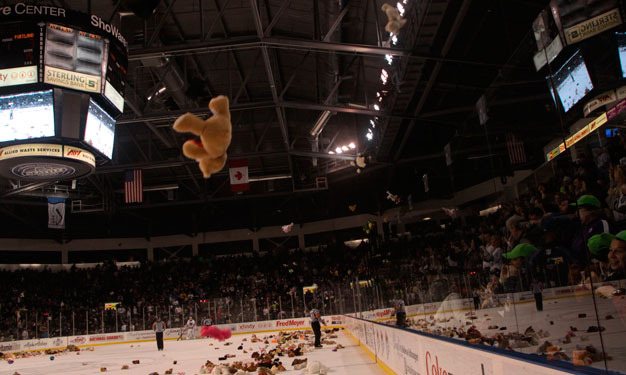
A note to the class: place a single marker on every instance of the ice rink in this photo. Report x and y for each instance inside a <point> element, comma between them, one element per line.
<point>190,356</point>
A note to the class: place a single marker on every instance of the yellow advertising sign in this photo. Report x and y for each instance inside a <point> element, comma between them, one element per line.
<point>79,154</point>
<point>555,152</point>
<point>32,149</point>
<point>72,80</point>
<point>597,122</point>
<point>111,305</point>
<point>309,289</point>
<point>576,137</point>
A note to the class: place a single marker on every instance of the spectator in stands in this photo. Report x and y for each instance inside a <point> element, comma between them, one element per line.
<point>599,246</point>
<point>580,186</point>
<point>514,276</point>
<point>516,229</point>
<point>591,222</point>
<point>617,258</point>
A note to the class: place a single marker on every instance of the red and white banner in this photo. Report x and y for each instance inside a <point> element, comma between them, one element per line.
<point>238,172</point>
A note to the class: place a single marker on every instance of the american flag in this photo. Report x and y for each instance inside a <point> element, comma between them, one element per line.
<point>515,146</point>
<point>133,186</point>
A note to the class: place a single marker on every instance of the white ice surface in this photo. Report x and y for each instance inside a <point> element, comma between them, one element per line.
<point>190,356</point>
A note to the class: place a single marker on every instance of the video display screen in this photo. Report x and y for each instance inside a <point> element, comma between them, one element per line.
<point>18,65</point>
<point>621,48</point>
<point>26,116</point>
<point>117,68</point>
<point>100,129</point>
<point>572,81</point>
<point>74,59</point>
<point>17,45</point>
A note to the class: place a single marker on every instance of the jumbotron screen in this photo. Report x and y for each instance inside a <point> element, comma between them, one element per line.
<point>26,116</point>
<point>74,59</point>
<point>572,81</point>
<point>18,58</point>
<point>621,48</point>
<point>100,129</point>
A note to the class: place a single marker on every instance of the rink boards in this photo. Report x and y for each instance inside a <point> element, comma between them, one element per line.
<point>84,341</point>
<point>406,351</point>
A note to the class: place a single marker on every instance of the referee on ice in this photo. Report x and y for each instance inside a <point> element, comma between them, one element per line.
<point>316,318</point>
<point>159,327</point>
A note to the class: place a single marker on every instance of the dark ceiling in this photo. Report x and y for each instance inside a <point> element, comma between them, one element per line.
<point>283,63</point>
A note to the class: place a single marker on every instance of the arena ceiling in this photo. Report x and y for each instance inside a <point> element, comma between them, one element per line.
<point>287,65</point>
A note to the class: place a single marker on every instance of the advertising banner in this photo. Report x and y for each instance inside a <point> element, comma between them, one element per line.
<point>31,149</point>
<point>72,80</point>
<point>79,154</point>
<point>18,76</point>
<point>593,26</point>
<point>406,352</point>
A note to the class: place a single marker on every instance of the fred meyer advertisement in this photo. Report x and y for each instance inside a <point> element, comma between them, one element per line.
<point>72,80</point>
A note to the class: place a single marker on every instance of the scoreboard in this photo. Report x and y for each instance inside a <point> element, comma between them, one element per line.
<point>62,81</point>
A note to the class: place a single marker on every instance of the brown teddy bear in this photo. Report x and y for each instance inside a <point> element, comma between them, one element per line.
<point>215,135</point>
<point>395,21</point>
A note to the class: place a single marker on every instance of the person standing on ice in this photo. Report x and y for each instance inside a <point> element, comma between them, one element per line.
<point>400,312</point>
<point>159,327</point>
<point>191,327</point>
<point>316,318</point>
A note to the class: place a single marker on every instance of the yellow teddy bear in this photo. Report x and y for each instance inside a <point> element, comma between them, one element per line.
<point>215,135</point>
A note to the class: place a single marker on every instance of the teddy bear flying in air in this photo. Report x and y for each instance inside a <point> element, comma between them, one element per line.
<point>395,21</point>
<point>215,135</point>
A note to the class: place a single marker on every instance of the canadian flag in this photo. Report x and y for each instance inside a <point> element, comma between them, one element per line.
<point>238,172</point>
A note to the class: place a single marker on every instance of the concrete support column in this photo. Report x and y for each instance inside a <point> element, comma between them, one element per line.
<point>379,226</point>
<point>255,243</point>
<point>64,256</point>
<point>151,254</point>
<point>194,249</point>
<point>301,243</point>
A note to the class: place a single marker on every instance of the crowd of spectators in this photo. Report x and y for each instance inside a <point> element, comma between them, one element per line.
<point>562,232</point>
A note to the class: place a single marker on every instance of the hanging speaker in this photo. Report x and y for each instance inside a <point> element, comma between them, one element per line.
<point>142,8</point>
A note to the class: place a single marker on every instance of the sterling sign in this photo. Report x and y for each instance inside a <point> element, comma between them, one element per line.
<point>593,26</point>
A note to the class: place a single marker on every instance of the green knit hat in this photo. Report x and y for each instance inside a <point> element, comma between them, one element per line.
<point>599,244</point>
<point>587,201</point>
<point>621,235</point>
<point>521,250</point>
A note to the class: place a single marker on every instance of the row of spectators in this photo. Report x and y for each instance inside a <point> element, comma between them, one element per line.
<point>561,233</point>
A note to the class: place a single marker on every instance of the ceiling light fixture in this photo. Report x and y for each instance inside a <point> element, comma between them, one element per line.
<point>389,59</point>
<point>352,145</point>
<point>400,9</point>
<point>320,124</point>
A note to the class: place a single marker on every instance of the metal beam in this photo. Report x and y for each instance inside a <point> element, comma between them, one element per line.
<point>251,42</point>
<point>336,24</point>
<point>27,187</point>
<point>281,10</point>
<point>280,114</point>
<point>220,13</point>
<point>160,24</point>
<point>435,73</point>
<point>427,116</point>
